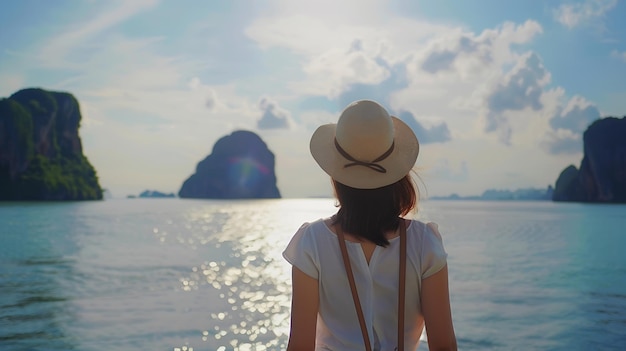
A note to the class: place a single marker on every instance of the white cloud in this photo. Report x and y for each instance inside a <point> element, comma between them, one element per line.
<point>576,14</point>
<point>274,116</point>
<point>337,69</point>
<point>562,134</point>
<point>562,141</point>
<point>311,119</point>
<point>57,51</point>
<point>457,90</point>
<point>576,116</point>
<point>521,89</point>
<point>619,55</point>
<point>438,133</point>
<point>342,47</point>
<point>517,34</point>
<point>132,64</point>
<point>310,28</point>
<point>399,62</point>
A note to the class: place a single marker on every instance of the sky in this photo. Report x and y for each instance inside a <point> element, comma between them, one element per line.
<point>498,92</point>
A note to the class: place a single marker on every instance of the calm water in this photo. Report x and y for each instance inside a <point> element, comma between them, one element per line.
<point>171,274</point>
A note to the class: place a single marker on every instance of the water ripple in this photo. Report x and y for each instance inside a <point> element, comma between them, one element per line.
<point>183,275</point>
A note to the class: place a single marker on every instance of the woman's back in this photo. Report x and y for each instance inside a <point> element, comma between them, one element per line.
<point>315,251</point>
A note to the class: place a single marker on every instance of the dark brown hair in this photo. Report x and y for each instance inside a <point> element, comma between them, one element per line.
<point>369,213</point>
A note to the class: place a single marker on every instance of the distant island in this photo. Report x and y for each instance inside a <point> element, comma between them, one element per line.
<point>152,194</point>
<point>41,154</point>
<point>601,177</point>
<point>528,194</point>
<point>240,166</point>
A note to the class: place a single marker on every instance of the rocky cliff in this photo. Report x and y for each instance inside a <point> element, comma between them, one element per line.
<point>602,173</point>
<point>239,167</point>
<point>41,155</point>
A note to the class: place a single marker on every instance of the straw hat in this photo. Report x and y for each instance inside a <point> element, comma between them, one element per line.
<point>367,148</point>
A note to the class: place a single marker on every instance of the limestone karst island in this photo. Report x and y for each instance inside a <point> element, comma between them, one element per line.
<point>41,154</point>
<point>602,174</point>
<point>240,167</point>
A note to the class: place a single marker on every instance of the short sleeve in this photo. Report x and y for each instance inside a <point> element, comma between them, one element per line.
<point>434,256</point>
<point>301,252</point>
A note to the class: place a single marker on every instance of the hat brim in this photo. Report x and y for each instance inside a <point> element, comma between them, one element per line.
<point>397,165</point>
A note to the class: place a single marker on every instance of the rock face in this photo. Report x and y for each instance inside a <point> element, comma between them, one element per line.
<point>239,167</point>
<point>41,155</point>
<point>602,173</point>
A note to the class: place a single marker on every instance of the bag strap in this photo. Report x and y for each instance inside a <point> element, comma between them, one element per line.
<point>401,286</point>
<point>355,295</point>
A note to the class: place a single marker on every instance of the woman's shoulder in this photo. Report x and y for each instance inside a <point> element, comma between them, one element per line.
<point>315,224</point>
<point>423,229</point>
<point>415,225</point>
<point>427,247</point>
<point>313,228</point>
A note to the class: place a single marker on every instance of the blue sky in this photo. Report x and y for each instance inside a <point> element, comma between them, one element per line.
<point>498,92</point>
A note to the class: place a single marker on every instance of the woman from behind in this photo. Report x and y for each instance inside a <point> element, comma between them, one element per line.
<point>366,278</point>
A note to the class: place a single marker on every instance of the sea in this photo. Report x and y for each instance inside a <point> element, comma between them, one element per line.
<point>191,275</point>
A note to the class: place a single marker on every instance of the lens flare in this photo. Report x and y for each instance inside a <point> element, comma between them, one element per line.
<point>245,173</point>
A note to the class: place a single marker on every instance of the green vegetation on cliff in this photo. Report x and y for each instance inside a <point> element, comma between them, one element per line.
<point>41,154</point>
<point>17,128</point>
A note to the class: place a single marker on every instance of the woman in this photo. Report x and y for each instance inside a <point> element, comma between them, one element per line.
<point>366,278</point>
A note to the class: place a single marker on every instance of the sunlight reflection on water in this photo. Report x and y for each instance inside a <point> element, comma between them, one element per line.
<point>244,271</point>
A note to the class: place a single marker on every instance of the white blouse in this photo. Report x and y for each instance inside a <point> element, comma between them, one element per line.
<point>314,250</point>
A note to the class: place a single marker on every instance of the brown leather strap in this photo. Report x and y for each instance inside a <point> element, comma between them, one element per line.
<point>402,286</point>
<point>355,295</point>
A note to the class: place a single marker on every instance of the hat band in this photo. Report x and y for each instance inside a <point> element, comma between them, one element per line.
<point>371,165</point>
